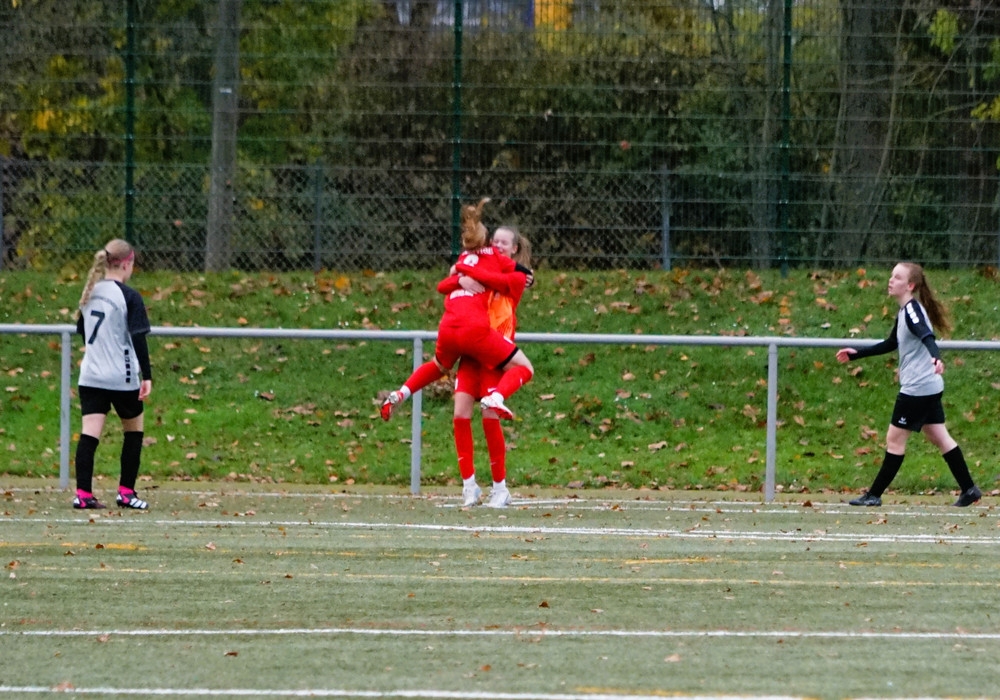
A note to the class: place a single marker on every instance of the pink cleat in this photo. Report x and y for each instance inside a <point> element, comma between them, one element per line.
<point>389,405</point>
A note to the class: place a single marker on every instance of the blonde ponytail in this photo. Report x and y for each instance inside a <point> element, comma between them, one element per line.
<point>116,252</point>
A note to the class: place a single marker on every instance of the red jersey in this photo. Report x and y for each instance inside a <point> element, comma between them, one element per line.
<point>465,327</point>
<point>490,268</point>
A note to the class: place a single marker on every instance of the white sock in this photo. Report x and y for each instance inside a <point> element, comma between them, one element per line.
<point>405,392</point>
<point>471,481</point>
<point>500,484</point>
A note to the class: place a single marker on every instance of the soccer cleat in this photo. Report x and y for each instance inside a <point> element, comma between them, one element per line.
<point>968,497</point>
<point>391,401</point>
<point>499,497</point>
<point>867,500</point>
<point>131,500</point>
<point>87,503</point>
<point>494,402</point>
<point>471,495</point>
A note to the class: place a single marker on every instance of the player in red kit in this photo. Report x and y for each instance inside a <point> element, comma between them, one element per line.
<point>464,329</point>
<point>473,381</point>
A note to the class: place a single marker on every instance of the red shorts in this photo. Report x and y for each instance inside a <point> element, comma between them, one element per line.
<point>474,379</point>
<point>481,343</point>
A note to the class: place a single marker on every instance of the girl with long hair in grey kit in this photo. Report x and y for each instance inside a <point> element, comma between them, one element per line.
<point>115,371</point>
<point>921,386</point>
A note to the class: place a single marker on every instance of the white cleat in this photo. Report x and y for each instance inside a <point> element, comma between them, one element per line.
<point>471,495</point>
<point>499,497</point>
<point>494,402</point>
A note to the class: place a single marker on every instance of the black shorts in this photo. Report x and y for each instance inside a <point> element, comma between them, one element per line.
<point>914,412</point>
<point>127,404</point>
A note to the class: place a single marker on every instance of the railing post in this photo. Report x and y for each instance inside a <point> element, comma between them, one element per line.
<point>3,252</point>
<point>416,422</point>
<point>66,363</point>
<point>666,257</point>
<point>772,421</point>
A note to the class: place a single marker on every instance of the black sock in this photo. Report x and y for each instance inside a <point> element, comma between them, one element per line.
<point>959,469</point>
<point>85,450</point>
<point>890,467</point>
<point>131,452</point>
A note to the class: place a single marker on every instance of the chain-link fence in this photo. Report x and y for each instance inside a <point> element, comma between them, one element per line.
<point>342,134</point>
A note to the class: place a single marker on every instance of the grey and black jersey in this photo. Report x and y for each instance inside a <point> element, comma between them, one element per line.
<point>913,336</point>
<point>110,322</point>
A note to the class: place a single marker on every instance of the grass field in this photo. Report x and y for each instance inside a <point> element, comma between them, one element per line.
<point>241,591</point>
<point>597,416</point>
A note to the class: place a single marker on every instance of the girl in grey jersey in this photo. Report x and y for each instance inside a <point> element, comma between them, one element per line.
<point>918,404</point>
<point>115,370</point>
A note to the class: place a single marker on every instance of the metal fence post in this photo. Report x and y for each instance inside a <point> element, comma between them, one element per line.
<point>3,172</point>
<point>667,261</point>
<point>415,422</point>
<point>772,422</point>
<point>66,362</point>
<point>317,182</point>
<point>130,56</point>
<point>456,133</point>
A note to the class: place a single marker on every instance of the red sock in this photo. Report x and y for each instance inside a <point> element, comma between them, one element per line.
<point>422,376</point>
<point>498,448</point>
<point>513,379</point>
<point>463,446</point>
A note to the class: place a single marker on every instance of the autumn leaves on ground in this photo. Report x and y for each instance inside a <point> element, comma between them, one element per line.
<point>636,416</point>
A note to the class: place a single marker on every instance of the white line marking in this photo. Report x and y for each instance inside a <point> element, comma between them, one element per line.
<point>690,533</point>
<point>341,693</point>
<point>589,500</point>
<point>516,633</point>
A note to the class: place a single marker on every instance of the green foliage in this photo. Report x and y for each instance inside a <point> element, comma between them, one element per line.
<point>551,118</point>
<point>944,31</point>
<point>989,110</point>
<point>292,95</point>
<point>631,416</point>
<point>69,219</point>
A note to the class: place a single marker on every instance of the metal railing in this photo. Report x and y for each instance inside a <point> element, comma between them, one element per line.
<point>772,343</point>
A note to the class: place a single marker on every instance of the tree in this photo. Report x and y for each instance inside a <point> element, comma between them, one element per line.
<point>224,131</point>
<point>862,148</point>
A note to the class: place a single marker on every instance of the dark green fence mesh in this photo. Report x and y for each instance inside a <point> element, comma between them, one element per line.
<point>635,133</point>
